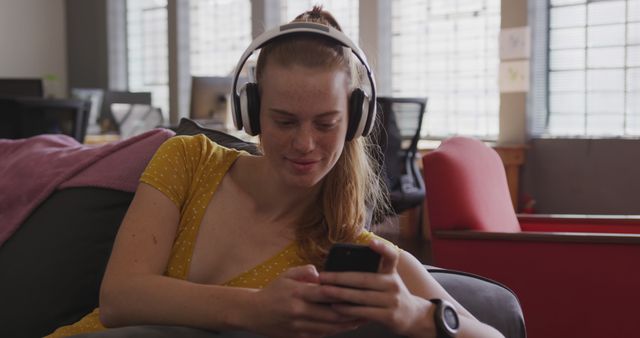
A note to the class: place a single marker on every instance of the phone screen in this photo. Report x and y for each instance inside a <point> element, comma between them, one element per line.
<point>352,257</point>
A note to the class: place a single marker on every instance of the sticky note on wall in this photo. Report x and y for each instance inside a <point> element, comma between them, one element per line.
<point>514,76</point>
<point>515,43</point>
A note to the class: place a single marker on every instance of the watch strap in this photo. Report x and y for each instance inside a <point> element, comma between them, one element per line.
<point>442,329</point>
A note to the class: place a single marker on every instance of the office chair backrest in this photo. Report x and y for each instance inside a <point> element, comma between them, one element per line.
<point>135,119</point>
<point>402,123</point>
<point>110,97</point>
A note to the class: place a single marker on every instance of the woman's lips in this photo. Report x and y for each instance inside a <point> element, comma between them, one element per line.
<point>302,165</point>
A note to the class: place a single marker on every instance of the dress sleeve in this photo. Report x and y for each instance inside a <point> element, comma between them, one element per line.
<point>171,169</point>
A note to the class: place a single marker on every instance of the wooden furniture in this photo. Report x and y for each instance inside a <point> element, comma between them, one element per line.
<point>101,139</point>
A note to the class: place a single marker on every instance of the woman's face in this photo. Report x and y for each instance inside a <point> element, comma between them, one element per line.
<point>303,121</point>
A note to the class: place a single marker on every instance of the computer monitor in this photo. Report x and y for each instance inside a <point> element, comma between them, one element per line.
<point>21,88</point>
<point>94,97</point>
<point>26,117</point>
<point>210,97</point>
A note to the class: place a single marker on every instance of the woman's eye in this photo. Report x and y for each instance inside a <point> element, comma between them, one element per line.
<point>284,123</point>
<point>326,126</point>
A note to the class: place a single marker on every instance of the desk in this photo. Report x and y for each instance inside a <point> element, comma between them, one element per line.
<point>101,139</point>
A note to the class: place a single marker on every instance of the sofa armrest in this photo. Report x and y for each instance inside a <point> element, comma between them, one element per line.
<point>532,236</point>
<point>623,224</point>
<point>490,302</point>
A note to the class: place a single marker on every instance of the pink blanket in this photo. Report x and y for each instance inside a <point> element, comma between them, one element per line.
<point>31,169</point>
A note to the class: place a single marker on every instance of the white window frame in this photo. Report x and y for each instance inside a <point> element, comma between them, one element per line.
<point>545,121</point>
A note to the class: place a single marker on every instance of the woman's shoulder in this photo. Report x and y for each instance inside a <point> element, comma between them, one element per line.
<point>198,140</point>
<point>366,237</point>
<point>197,145</point>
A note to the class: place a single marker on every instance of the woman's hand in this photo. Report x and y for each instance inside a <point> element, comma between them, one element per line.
<point>293,305</point>
<point>381,297</point>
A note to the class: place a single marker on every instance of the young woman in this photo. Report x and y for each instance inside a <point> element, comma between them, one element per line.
<point>222,240</point>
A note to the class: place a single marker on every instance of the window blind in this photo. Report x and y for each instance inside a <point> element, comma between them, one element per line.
<point>147,50</point>
<point>220,30</point>
<point>537,107</point>
<point>594,68</point>
<point>447,50</point>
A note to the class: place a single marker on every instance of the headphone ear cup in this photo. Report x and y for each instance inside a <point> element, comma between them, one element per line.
<point>250,108</point>
<point>253,100</point>
<point>355,112</point>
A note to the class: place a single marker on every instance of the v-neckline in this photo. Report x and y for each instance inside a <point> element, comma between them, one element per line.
<point>236,155</point>
<point>277,255</point>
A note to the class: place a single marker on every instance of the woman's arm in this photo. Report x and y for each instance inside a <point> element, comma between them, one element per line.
<point>135,291</point>
<point>420,283</point>
<point>397,296</point>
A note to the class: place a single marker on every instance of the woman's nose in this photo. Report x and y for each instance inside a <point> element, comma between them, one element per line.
<point>303,140</point>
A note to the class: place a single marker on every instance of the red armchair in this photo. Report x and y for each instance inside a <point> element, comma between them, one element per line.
<point>575,277</point>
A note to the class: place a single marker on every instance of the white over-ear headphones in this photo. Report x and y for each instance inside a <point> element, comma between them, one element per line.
<point>245,102</point>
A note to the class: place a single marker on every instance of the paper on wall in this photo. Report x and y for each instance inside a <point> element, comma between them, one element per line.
<point>514,76</point>
<point>514,43</point>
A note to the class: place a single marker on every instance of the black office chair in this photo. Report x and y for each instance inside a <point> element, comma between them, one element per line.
<point>135,119</point>
<point>26,117</point>
<point>398,139</point>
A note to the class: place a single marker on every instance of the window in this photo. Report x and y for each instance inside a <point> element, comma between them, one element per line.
<point>220,31</point>
<point>447,50</point>
<point>594,68</point>
<point>147,50</point>
<point>345,12</point>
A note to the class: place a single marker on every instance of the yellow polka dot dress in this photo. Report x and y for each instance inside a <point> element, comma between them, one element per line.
<point>188,170</point>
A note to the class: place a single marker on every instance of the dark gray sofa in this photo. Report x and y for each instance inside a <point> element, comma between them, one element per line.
<point>51,268</point>
<point>490,302</point>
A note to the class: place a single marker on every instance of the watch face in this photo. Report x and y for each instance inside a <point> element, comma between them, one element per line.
<point>451,318</point>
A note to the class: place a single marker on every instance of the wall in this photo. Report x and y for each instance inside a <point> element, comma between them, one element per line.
<point>513,13</point>
<point>583,176</point>
<point>87,41</point>
<point>33,42</point>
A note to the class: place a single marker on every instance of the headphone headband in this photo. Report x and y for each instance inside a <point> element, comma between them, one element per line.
<point>302,28</point>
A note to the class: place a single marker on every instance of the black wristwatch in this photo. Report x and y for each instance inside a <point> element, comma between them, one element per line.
<point>445,318</point>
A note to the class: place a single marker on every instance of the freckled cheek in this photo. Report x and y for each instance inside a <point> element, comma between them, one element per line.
<point>333,148</point>
<point>275,142</point>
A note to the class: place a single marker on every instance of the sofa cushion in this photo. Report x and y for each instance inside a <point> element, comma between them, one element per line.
<point>51,268</point>
<point>190,127</point>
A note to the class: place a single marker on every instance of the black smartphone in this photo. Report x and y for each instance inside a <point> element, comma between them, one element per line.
<point>352,257</point>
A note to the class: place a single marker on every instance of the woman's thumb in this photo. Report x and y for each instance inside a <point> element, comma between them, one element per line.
<point>305,273</point>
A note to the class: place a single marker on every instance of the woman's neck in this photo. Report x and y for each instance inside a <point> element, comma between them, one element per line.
<point>275,201</point>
